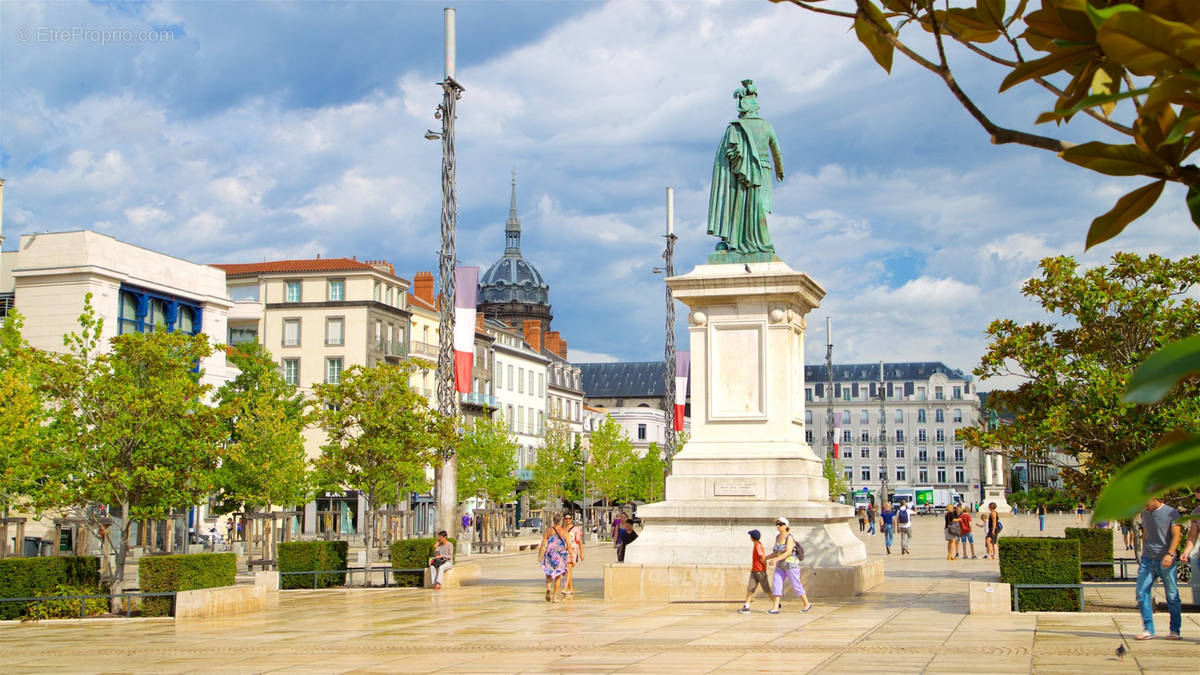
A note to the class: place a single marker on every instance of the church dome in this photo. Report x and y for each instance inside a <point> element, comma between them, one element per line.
<point>512,289</point>
<point>513,279</point>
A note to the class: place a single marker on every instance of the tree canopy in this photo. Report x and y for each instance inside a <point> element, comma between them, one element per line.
<point>1074,371</point>
<point>487,461</point>
<point>263,418</point>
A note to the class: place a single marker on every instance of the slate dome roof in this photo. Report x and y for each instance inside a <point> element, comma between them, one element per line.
<point>512,278</point>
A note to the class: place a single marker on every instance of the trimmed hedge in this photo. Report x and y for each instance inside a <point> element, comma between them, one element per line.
<point>413,554</point>
<point>1042,560</point>
<point>312,556</point>
<point>161,573</point>
<point>1095,545</point>
<point>31,577</point>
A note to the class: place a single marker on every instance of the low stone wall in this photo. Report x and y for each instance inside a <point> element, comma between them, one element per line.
<point>681,583</point>
<point>222,601</point>
<point>988,597</point>
<point>466,574</point>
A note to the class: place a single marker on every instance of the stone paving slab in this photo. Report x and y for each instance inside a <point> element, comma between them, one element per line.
<point>916,621</point>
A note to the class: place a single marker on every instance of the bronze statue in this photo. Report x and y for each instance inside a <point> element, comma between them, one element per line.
<point>741,185</point>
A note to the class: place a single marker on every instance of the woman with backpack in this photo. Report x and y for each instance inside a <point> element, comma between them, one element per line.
<point>953,530</point>
<point>788,554</point>
<point>993,525</point>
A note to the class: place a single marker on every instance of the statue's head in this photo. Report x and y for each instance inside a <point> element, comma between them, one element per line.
<point>747,98</point>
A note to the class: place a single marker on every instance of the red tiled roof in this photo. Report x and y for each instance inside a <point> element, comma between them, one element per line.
<point>313,265</point>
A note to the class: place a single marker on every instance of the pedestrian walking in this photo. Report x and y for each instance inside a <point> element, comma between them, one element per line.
<point>758,571</point>
<point>1127,533</point>
<point>862,519</point>
<point>871,520</point>
<point>553,556</point>
<point>1079,509</point>
<point>993,527</point>
<point>786,556</point>
<point>964,533</point>
<point>616,530</point>
<point>1041,514</point>
<point>904,518</point>
<point>886,518</point>
<point>1158,562</point>
<point>574,551</point>
<point>626,535</point>
<point>952,529</point>
<point>229,530</point>
<point>1192,553</point>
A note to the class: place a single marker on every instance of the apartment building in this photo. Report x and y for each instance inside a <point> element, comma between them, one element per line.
<point>633,395</point>
<point>916,440</point>
<point>519,387</point>
<point>133,289</point>
<point>319,317</point>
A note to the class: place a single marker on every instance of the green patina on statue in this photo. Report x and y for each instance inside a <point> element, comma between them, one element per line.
<point>741,185</point>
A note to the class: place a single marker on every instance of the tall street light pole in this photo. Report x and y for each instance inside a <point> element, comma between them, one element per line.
<point>669,352</point>
<point>447,474</point>
<point>882,440</point>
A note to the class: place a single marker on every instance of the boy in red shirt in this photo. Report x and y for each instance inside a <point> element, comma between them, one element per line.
<point>758,572</point>
<point>964,535</point>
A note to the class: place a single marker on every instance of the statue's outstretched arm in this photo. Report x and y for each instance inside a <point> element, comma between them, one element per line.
<point>776,156</point>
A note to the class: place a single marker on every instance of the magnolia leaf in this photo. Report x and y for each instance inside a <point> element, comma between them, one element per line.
<point>1098,16</point>
<point>881,50</point>
<point>1056,61</point>
<point>1114,160</point>
<point>1148,45</point>
<point>1193,204</point>
<point>1102,85</point>
<point>1163,369</point>
<point>1128,209</point>
<point>991,12</point>
<point>1165,468</point>
<point>1049,23</point>
<point>902,6</point>
<point>1090,101</point>
<point>1187,123</point>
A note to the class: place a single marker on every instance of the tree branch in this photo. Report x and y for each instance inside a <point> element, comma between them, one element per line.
<point>821,10</point>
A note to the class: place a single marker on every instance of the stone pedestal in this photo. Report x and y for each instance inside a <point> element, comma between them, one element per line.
<point>993,485</point>
<point>747,462</point>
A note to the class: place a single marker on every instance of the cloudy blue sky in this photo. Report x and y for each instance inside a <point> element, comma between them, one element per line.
<point>245,131</point>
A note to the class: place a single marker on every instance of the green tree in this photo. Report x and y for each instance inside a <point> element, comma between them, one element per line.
<point>130,429</point>
<point>1074,372</point>
<point>611,460</point>
<point>649,475</point>
<point>263,418</point>
<point>23,414</point>
<point>835,475</point>
<point>556,467</point>
<point>487,461</point>
<point>381,435</point>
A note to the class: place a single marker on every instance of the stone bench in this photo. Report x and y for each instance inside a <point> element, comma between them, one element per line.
<point>466,574</point>
<point>222,601</point>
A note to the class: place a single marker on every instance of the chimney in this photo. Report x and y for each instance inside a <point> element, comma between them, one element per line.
<point>563,351</point>
<point>533,334</point>
<point>423,286</point>
<point>382,266</point>
<point>553,341</point>
<point>479,322</point>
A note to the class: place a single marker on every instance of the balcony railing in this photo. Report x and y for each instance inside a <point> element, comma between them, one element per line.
<point>480,399</point>
<point>424,349</point>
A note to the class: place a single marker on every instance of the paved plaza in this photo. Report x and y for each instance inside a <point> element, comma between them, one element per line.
<point>916,621</point>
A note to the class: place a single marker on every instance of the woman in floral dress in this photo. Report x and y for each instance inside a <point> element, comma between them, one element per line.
<point>554,556</point>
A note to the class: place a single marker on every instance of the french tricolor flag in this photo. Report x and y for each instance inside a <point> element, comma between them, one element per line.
<point>466,286</point>
<point>837,432</point>
<point>683,364</point>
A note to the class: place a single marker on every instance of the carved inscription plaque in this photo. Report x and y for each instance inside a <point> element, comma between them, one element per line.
<point>734,487</point>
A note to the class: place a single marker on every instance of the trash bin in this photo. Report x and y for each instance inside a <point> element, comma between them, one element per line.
<point>47,546</point>
<point>32,545</point>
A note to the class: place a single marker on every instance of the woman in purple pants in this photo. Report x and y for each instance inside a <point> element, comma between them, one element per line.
<point>786,552</point>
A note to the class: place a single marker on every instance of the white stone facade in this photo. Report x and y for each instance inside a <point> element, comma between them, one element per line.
<point>926,405</point>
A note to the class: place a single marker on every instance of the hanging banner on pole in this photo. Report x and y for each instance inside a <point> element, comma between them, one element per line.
<point>837,433</point>
<point>466,284</point>
<point>683,363</point>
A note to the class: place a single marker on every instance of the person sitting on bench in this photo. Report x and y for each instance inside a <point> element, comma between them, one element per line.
<point>442,560</point>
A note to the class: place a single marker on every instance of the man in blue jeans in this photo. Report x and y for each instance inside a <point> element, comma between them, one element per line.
<point>1158,562</point>
<point>886,516</point>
